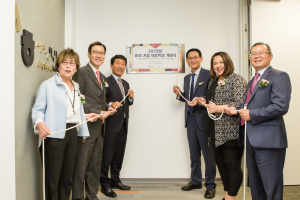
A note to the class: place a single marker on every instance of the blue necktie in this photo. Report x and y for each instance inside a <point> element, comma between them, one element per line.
<point>191,109</point>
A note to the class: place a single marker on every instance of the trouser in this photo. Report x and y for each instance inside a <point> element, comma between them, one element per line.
<point>60,157</point>
<point>197,143</point>
<point>265,167</point>
<point>113,155</point>
<point>87,168</point>
<point>229,162</point>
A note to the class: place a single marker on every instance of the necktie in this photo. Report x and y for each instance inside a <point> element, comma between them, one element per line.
<point>121,86</point>
<point>250,92</point>
<point>191,109</point>
<point>98,77</point>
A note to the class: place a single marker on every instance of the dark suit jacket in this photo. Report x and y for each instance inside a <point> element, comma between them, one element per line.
<point>199,91</point>
<point>94,94</point>
<point>113,93</point>
<point>267,106</point>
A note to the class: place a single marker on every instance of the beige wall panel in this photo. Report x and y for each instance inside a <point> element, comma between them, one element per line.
<point>46,20</point>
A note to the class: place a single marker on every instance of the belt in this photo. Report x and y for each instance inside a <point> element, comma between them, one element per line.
<point>71,124</point>
<point>192,113</point>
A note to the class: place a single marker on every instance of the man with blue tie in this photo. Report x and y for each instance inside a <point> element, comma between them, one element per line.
<point>267,100</point>
<point>195,85</point>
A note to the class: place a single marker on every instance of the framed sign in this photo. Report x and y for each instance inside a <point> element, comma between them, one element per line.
<point>156,58</point>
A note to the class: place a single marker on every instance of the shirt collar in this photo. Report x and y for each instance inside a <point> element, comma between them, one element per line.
<point>197,72</point>
<point>116,77</point>
<point>93,68</point>
<point>261,72</point>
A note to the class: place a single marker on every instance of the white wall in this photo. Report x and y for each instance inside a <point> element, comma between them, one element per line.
<point>7,106</point>
<point>157,143</point>
<point>278,24</point>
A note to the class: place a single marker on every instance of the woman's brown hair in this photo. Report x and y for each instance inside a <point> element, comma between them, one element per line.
<point>67,54</point>
<point>228,64</point>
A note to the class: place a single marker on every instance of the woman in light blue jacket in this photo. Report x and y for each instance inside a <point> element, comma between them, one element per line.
<point>59,105</point>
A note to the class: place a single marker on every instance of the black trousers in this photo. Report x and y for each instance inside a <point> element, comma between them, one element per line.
<point>229,162</point>
<point>60,157</point>
<point>113,155</point>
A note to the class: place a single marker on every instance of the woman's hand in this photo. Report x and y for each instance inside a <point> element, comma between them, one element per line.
<point>92,115</point>
<point>43,130</point>
<point>201,101</point>
<point>229,111</point>
<point>212,108</point>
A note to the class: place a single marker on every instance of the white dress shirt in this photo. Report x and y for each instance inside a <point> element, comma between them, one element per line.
<point>195,80</point>
<point>95,70</point>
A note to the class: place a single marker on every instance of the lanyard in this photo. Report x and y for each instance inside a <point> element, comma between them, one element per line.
<point>73,99</point>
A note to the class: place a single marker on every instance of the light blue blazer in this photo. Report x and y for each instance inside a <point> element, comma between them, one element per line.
<point>51,106</point>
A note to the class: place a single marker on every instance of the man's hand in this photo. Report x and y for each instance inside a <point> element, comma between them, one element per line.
<point>111,110</point>
<point>92,115</point>
<point>244,113</point>
<point>116,104</point>
<point>193,102</point>
<point>104,115</point>
<point>176,90</point>
<point>230,112</point>
<point>131,94</point>
<point>201,101</point>
<point>43,130</point>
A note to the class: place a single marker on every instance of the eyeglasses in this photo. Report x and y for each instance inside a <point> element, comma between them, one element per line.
<point>191,58</point>
<point>65,63</point>
<point>102,53</point>
<point>260,53</point>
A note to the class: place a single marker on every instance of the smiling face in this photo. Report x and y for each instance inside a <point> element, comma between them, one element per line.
<point>97,56</point>
<point>218,65</point>
<point>194,60</point>
<point>118,67</point>
<point>67,68</point>
<point>262,58</point>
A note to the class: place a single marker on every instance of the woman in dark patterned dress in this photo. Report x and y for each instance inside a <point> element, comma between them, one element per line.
<point>226,89</point>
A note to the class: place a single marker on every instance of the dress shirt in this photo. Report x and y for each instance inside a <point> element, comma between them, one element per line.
<point>69,111</point>
<point>95,70</point>
<point>130,100</point>
<point>261,72</point>
<point>195,80</point>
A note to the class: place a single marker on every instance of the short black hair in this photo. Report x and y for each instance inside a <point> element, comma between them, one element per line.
<point>112,60</point>
<point>193,49</point>
<point>261,43</point>
<point>94,44</point>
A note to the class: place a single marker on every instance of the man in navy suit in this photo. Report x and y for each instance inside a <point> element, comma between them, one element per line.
<point>195,85</point>
<point>116,127</point>
<point>268,97</point>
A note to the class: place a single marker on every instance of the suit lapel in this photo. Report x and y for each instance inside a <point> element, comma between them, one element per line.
<point>264,76</point>
<point>93,76</point>
<point>187,87</point>
<point>116,86</point>
<point>200,77</point>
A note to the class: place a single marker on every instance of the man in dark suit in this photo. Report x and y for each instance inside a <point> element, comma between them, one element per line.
<point>89,151</point>
<point>116,127</point>
<point>195,85</point>
<point>268,98</point>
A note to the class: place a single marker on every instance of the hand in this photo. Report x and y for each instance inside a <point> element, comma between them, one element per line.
<point>212,108</point>
<point>176,90</point>
<point>92,115</point>
<point>230,112</point>
<point>244,113</point>
<point>111,110</point>
<point>201,101</point>
<point>131,94</point>
<point>116,104</point>
<point>193,102</point>
<point>43,130</point>
<point>104,114</point>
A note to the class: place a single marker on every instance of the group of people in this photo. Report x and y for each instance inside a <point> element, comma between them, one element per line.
<point>218,103</point>
<point>80,158</point>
